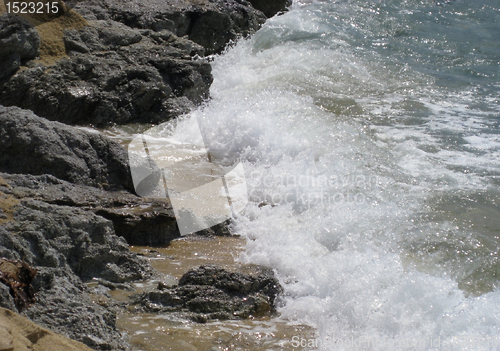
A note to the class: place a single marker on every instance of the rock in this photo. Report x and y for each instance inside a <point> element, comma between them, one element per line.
<point>271,7</point>
<point>6,299</point>
<point>101,36</point>
<point>211,292</point>
<point>67,245</point>
<point>149,224</point>
<point>133,62</point>
<point>233,282</point>
<point>18,275</point>
<point>19,42</point>
<point>114,74</point>
<point>55,236</point>
<point>18,333</point>
<point>140,221</point>
<point>33,145</point>
<point>210,23</point>
<point>55,227</point>
<point>65,307</point>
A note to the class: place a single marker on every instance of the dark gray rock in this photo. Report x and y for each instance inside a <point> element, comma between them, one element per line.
<point>67,245</point>
<point>150,224</point>
<point>135,62</point>
<point>65,307</point>
<point>101,36</point>
<point>55,227</point>
<point>19,42</point>
<point>233,282</point>
<point>210,23</point>
<point>211,292</point>
<point>139,221</point>
<point>114,74</point>
<point>33,145</point>
<point>271,7</point>
<point>55,236</point>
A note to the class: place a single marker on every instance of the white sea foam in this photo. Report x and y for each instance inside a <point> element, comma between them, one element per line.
<point>354,163</point>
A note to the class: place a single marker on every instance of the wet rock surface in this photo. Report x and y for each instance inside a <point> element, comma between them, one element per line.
<point>211,292</point>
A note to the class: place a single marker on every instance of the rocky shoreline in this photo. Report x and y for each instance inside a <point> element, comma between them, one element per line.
<point>68,211</point>
<point>122,62</point>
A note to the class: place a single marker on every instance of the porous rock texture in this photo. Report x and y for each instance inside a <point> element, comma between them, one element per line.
<point>67,246</point>
<point>209,23</point>
<point>19,42</point>
<point>139,221</point>
<point>67,208</point>
<point>33,145</point>
<point>135,61</point>
<point>211,292</point>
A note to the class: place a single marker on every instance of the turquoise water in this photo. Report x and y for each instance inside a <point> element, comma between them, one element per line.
<point>369,134</point>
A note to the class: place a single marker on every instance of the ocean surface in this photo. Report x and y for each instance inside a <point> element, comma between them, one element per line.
<point>369,134</point>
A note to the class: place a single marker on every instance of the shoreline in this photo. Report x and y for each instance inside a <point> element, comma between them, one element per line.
<point>168,333</point>
<point>66,196</point>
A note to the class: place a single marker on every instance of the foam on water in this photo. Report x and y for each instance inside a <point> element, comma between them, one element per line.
<point>371,149</point>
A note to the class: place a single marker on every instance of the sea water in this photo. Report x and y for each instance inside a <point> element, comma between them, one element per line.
<point>369,134</point>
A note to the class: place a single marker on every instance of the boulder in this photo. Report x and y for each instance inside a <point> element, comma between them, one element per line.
<point>67,246</point>
<point>210,23</point>
<point>211,292</point>
<point>33,145</point>
<point>139,221</point>
<point>70,234</point>
<point>19,42</point>
<point>134,62</point>
<point>114,74</point>
<point>55,236</point>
